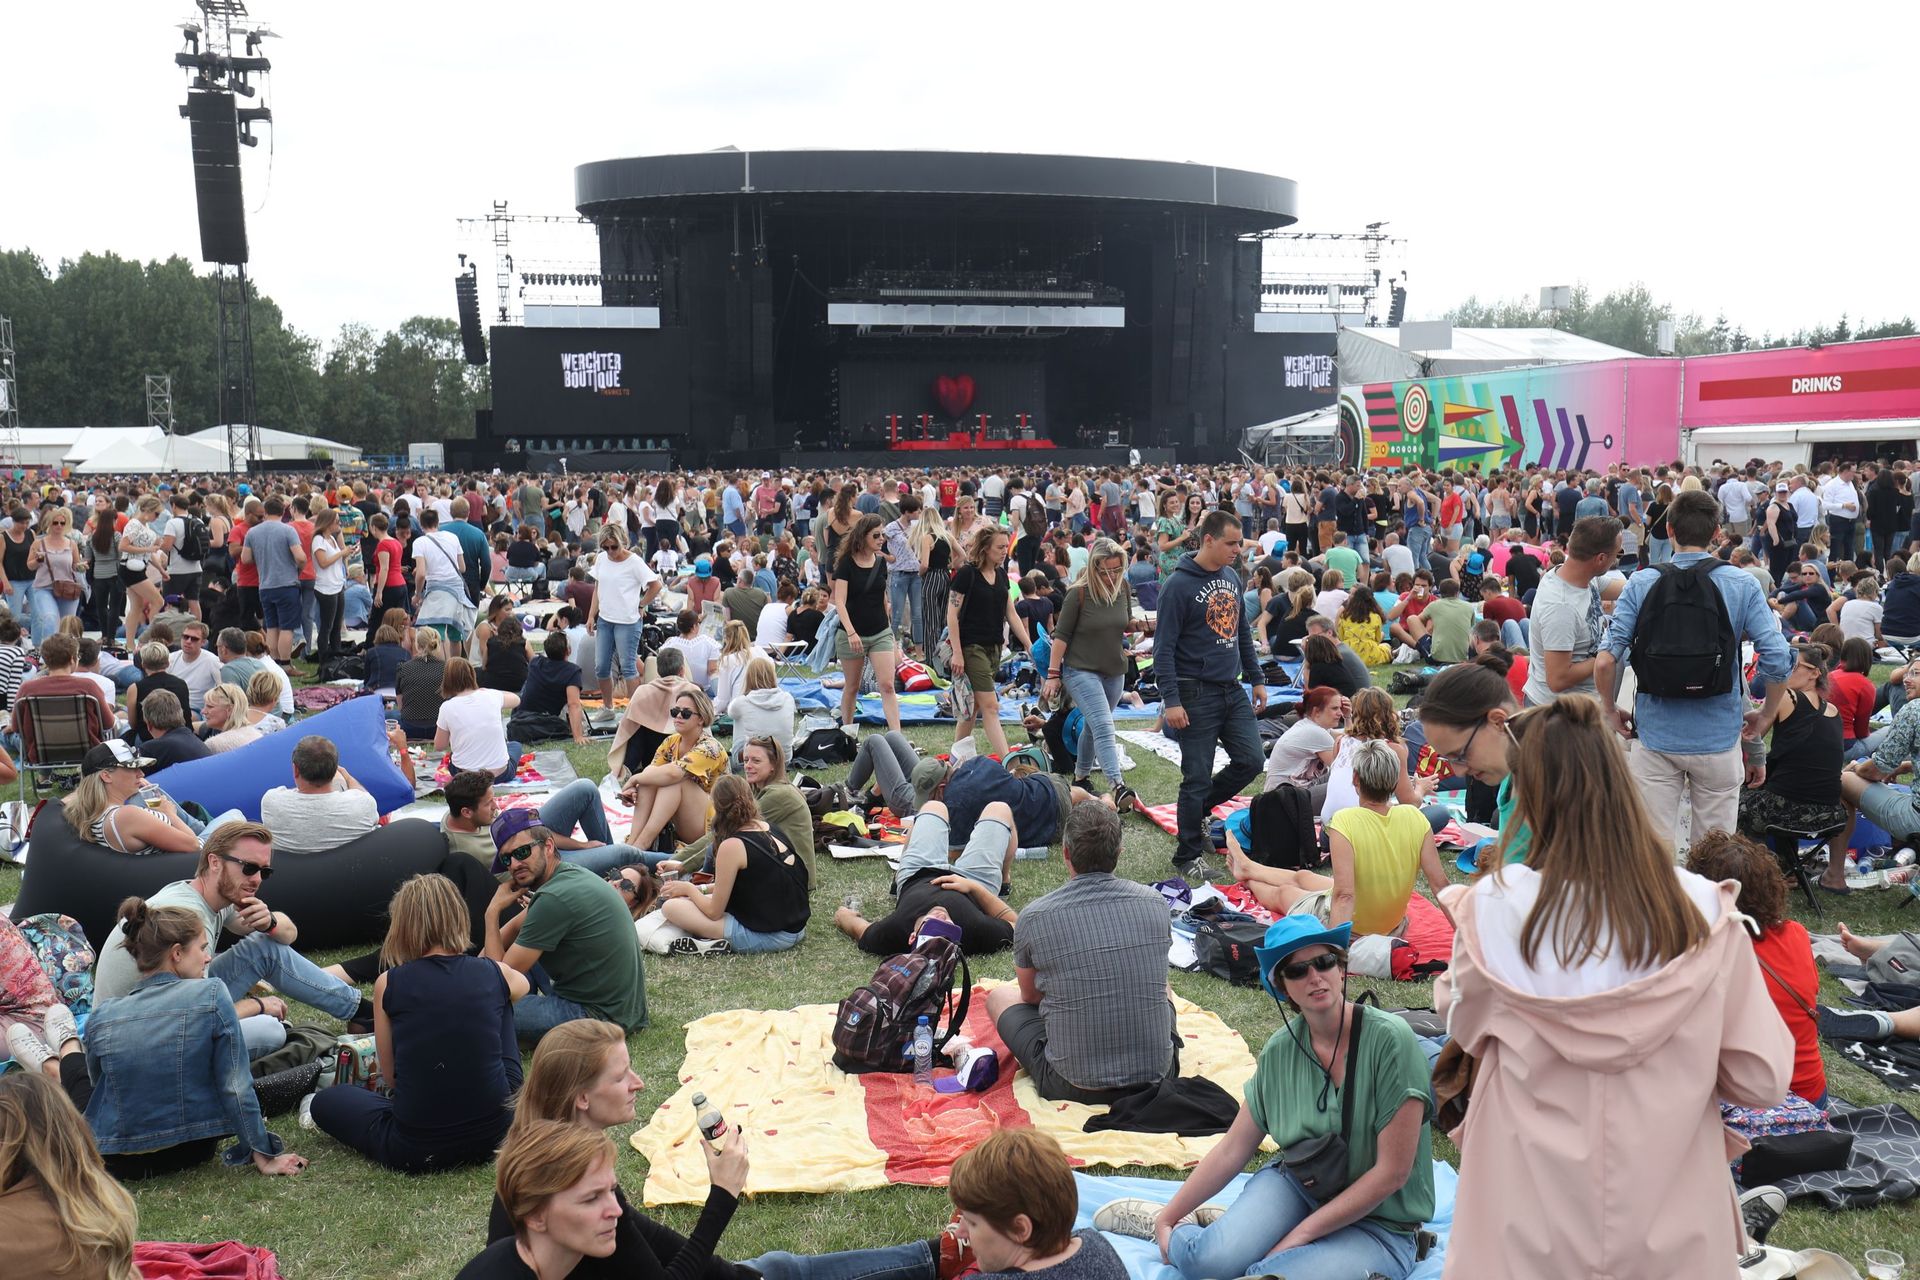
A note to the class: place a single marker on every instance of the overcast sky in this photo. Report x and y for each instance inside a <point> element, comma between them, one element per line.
<point>1757,163</point>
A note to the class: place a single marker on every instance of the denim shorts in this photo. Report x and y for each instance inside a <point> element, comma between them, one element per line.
<point>982,861</point>
<point>745,941</point>
<point>280,607</point>
<point>1891,809</point>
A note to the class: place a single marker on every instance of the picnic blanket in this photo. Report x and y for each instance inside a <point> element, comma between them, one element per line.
<point>538,771</point>
<point>1142,1257</point>
<point>1885,1167</point>
<point>1167,816</point>
<point>813,1128</point>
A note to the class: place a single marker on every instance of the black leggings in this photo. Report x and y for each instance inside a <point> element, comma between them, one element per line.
<point>109,605</point>
<point>332,609</point>
<point>144,1164</point>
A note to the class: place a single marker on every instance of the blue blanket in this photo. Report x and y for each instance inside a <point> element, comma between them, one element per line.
<point>1143,1256</point>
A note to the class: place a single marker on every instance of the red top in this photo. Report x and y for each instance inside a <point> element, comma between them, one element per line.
<point>305,529</point>
<point>396,575</point>
<point>1853,694</point>
<point>1788,951</point>
<point>1503,608</point>
<point>245,573</point>
<point>949,491</point>
<point>1517,677</point>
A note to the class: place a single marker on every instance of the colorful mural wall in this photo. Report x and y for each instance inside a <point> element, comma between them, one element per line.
<point>1855,380</point>
<point>1559,416</point>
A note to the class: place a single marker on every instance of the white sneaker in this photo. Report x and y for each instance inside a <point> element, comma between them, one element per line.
<point>1128,1217</point>
<point>60,1027</point>
<point>26,1048</point>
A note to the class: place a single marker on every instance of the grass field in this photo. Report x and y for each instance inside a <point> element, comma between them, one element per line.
<point>346,1218</point>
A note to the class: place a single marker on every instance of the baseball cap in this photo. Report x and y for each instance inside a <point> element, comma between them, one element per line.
<point>113,754</point>
<point>703,567</point>
<point>927,775</point>
<point>506,828</point>
<point>1781,487</point>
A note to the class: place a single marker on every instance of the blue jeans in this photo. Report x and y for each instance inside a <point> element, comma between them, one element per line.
<point>1358,541</point>
<point>747,942</point>
<point>48,609</point>
<point>1420,543</point>
<point>535,1015</point>
<point>257,956</point>
<point>20,604</point>
<point>1096,696</point>
<point>903,588</point>
<point>616,639</point>
<point>1516,635</point>
<point>1239,1243</point>
<point>910,1261</point>
<point>1218,714</point>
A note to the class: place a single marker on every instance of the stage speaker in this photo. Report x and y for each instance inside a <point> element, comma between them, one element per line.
<point>215,133</point>
<point>473,340</point>
<point>1397,309</point>
<point>483,426</point>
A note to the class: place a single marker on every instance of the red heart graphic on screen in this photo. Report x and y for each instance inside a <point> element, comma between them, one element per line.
<point>953,394</point>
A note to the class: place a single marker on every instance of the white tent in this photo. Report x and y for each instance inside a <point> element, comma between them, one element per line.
<point>1375,355</point>
<point>281,445</point>
<point>157,452</point>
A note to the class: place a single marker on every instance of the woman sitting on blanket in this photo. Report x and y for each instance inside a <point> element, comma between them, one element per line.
<point>758,900</point>
<point>1374,718</point>
<point>1377,848</point>
<point>1300,1090</point>
<point>674,788</point>
<point>581,1075</point>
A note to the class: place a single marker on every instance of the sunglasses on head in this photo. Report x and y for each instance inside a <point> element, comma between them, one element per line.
<point>248,868</point>
<point>1324,963</point>
<point>684,713</point>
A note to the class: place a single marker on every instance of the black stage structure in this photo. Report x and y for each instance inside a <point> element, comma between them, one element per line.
<point>764,307</point>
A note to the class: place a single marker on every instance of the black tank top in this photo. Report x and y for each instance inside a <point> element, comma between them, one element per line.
<point>867,597</point>
<point>1804,762</point>
<point>770,893</point>
<point>15,556</point>
<point>940,557</point>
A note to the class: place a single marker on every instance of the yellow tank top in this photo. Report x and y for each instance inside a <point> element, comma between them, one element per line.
<point>1386,857</point>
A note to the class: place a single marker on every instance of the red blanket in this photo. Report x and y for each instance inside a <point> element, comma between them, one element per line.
<point>1428,939</point>
<point>1167,816</point>
<point>227,1260</point>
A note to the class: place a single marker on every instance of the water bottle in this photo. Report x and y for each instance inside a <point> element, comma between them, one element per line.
<point>922,1052</point>
<point>1904,858</point>
<point>713,1125</point>
<point>1865,862</point>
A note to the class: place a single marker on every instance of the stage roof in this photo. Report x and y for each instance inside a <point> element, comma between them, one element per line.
<point>1257,201</point>
<point>1374,355</point>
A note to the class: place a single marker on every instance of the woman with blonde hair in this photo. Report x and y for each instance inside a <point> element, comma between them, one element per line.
<point>263,695</point>
<point>228,713</point>
<point>761,707</point>
<point>100,810</point>
<point>556,1184</point>
<point>58,560</point>
<point>1596,970</point>
<point>62,1215</point>
<point>144,567</point>
<point>443,1021</point>
<point>980,610</point>
<point>1087,656</point>
<point>730,668</point>
<point>674,788</point>
<point>934,547</point>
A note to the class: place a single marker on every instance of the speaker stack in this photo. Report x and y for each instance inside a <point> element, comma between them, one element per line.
<point>214,129</point>
<point>473,340</point>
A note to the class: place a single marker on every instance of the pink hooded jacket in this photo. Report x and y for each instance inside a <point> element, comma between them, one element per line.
<point>1593,1147</point>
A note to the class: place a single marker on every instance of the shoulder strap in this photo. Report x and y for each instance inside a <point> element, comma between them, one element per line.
<point>1769,971</point>
<point>959,1018</point>
<point>1353,1058</point>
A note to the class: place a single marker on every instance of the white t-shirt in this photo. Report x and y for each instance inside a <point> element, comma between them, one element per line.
<point>328,579</point>
<point>666,562</point>
<point>1859,618</point>
<point>439,551</point>
<point>621,584</point>
<point>201,674</point>
<point>1294,756</point>
<point>476,734</point>
<point>1398,558</point>
<point>1501,904</point>
<point>773,625</point>
<point>700,650</point>
<point>1271,539</point>
<point>1328,604</point>
<point>1737,499</point>
<point>285,705</point>
<point>177,562</point>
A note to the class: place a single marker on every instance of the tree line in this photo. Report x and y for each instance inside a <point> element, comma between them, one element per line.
<point>87,334</point>
<point>1630,319</point>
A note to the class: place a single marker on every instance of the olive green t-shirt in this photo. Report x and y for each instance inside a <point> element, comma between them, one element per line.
<point>580,925</point>
<point>1284,1097</point>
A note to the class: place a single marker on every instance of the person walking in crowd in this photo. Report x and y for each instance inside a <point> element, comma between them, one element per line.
<point>1087,657</point>
<point>623,587</point>
<point>980,612</point>
<point>860,603</point>
<point>1203,645</point>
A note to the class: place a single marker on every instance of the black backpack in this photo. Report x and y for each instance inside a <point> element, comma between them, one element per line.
<point>1225,950</point>
<point>195,540</point>
<point>1684,644</point>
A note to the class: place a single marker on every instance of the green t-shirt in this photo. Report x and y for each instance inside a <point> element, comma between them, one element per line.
<point>580,925</point>
<point>475,844</point>
<point>1519,838</point>
<point>1284,1097</point>
<point>1452,623</point>
<point>1347,561</point>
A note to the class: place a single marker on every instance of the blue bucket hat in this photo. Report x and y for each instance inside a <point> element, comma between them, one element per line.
<point>1287,935</point>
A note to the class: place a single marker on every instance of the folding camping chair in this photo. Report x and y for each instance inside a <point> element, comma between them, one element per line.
<point>56,732</point>
<point>1786,842</point>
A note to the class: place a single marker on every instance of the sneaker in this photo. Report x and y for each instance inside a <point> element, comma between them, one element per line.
<point>1085,784</point>
<point>1195,872</point>
<point>1125,799</point>
<point>1128,1217</point>
<point>26,1048</point>
<point>1760,1209</point>
<point>952,1256</point>
<point>60,1027</point>
<point>698,947</point>
<point>1837,1024</point>
<point>1208,1214</point>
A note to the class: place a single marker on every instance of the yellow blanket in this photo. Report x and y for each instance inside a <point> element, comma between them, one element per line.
<point>807,1124</point>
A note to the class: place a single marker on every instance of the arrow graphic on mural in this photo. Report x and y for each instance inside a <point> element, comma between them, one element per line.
<point>1451,413</point>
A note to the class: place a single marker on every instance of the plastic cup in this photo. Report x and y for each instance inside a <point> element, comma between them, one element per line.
<point>1885,1264</point>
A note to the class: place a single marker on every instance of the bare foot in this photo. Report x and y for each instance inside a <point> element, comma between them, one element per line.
<point>1857,946</point>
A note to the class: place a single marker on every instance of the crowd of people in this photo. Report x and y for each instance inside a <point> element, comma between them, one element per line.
<point>1538,612</point>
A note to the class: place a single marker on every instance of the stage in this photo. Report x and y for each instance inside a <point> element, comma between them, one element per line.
<point>922,458</point>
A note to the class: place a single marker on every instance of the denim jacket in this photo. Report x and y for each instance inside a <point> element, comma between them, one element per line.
<point>169,1066</point>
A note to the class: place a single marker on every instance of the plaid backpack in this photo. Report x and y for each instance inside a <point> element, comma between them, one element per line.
<point>873,1029</point>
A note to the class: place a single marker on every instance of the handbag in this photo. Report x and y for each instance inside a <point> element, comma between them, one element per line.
<point>63,589</point>
<point>1318,1165</point>
<point>1454,1072</point>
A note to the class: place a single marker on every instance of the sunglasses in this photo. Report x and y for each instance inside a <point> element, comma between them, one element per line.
<point>520,853</point>
<point>249,868</point>
<point>623,884</point>
<point>1325,963</point>
<point>684,713</point>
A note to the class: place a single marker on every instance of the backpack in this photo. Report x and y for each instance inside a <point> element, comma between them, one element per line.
<point>912,676</point>
<point>874,1025</point>
<point>1225,950</point>
<point>819,747</point>
<point>1036,516</point>
<point>195,540</point>
<point>1684,644</point>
